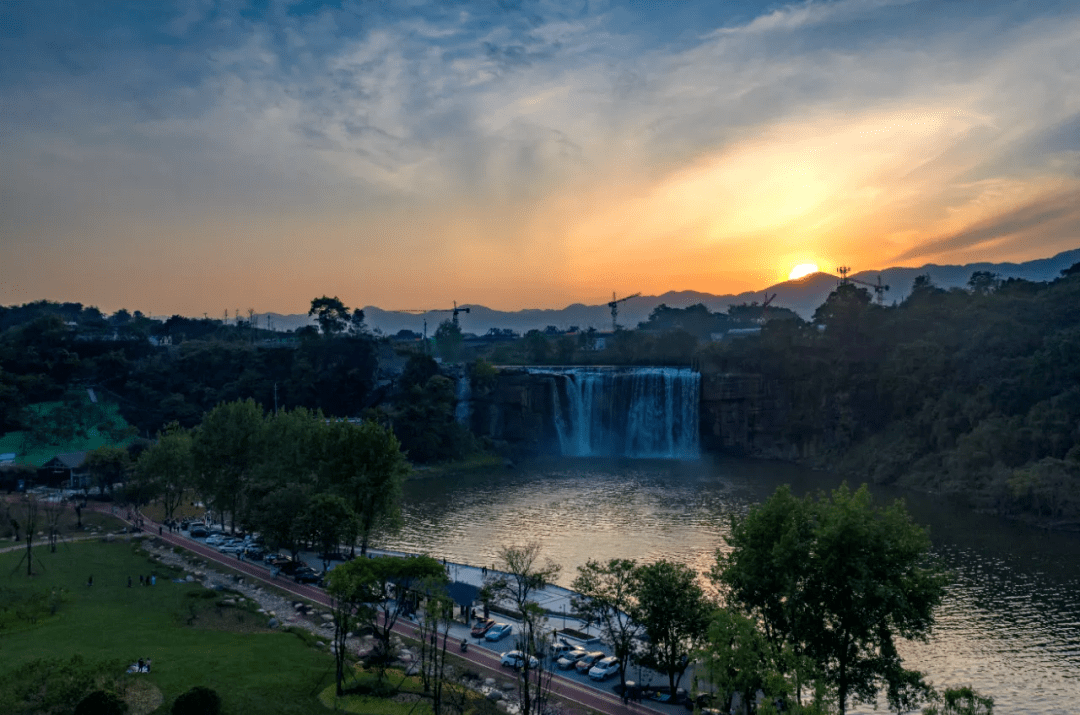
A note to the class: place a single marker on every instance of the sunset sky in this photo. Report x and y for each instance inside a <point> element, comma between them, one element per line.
<point>199,156</point>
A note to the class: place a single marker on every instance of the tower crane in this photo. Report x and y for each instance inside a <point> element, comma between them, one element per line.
<point>765,306</point>
<point>879,288</point>
<point>614,305</point>
<point>455,310</point>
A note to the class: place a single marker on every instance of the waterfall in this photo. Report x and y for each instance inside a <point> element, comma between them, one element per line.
<point>463,393</point>
<point>625,412</point>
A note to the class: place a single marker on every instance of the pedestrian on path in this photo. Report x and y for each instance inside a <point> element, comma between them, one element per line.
<point>129,582</point>
<point>90,581</point>
<point>159,530</point>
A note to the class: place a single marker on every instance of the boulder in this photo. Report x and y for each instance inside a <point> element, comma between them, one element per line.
<point>273,623</point>
<point>495,696</point>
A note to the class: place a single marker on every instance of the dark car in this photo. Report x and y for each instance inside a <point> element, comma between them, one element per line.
<point>275,559</point>
<point>255,553</point>
<point>481,627</point>
<point>334,556</point>
<point>306,574</point>
<point>290,567</point>
<point>198,531</point>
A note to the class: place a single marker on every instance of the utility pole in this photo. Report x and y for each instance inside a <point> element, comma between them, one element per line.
<point>275,399</point>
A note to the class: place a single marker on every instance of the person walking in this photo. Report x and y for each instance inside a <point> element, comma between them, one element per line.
<point>90,581</point>
<point>129,582</point>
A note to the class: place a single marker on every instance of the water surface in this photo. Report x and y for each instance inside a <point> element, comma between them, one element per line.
<point>1010,624</point>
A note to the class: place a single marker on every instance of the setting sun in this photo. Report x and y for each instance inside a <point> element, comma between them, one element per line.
<point>802,270</point>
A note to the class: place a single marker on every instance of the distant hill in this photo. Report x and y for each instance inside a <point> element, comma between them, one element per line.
<point>803,296</point>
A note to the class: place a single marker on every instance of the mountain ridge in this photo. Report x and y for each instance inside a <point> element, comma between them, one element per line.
<point>803,296</point>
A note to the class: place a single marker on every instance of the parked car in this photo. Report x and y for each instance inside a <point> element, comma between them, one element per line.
<point>568,659</point>
<point>290,567</point>
<point>334,556</point>
<point>230,547</point>
<point>588,661</point>
<point>516,659</point>
<point>276,559</point>
<point>254,553</point>
<point>306,574</point>
<point>198,531</point>
<point>559,647</point>
<point>605,668</point>
<point>499,631</point>
<point>481,627</point>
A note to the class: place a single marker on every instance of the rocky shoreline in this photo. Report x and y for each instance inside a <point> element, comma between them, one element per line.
<point>282,612</point>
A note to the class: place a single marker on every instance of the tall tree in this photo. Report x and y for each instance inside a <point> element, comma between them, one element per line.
<point>328,521</point>
<point>364,464</point>
<point>523,574</point>
<point>331,314</point>
<point>226,449</point>
<point>604,594</point>
<point>107,465</point>
<point>674,611</point>
<point>378,591</point>
<point>859,577</point>
<point>166,469</point>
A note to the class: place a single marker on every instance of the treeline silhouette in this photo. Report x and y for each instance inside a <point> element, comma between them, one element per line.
<point>972,391</point>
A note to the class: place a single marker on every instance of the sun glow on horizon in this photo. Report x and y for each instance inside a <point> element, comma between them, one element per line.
<point>802,270</point>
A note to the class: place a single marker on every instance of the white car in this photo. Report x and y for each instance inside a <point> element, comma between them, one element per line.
<point>516,659</point>
<point>605,668</point>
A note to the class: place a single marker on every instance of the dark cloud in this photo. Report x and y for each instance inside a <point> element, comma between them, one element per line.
<point>1056,211</point>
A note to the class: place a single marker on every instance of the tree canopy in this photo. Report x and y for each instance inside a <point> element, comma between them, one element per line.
<point>836,580</point>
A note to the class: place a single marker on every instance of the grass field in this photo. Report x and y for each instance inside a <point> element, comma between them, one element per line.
<point>254,669</point>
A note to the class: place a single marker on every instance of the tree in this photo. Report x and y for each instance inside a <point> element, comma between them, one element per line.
<point>166,469</point>
<point>673,609</point>
<point>523,574</point>
<point>356,322</point>
<point>984,282</point>
<point>604,594</point>
<point>855,577</point>
<point>960,701</point>
<point>378,591</point>
<point>101,702</point>
<point>225,452</point>
<point>331,314</point>
<point>107,465</point>
<point>278,516</point>
<point>200,700</point>
<point>328,521</point>
<point>448,339</point>
<point>54,510</point>
<point>364,464</point>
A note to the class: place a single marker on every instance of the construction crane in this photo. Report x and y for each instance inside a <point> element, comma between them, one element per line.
<point>614,305</point>
<point>879,288</point>
<point>765,306</point>
<point>455,310</point>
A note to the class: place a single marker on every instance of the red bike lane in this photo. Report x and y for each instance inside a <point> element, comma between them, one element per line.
<point>488,661</point>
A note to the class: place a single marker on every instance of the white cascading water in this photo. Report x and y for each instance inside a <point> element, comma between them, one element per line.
<point>626,412</point>
<point>463,394</point>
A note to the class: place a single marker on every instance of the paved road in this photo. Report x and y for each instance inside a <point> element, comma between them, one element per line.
<point>603,701</point>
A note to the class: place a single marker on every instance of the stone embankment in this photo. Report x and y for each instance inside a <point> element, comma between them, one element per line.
<point>285,612</point>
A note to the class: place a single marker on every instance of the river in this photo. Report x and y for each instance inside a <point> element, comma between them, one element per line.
<point>1009,626</point>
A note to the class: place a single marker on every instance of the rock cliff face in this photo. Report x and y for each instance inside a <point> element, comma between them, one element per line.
<point>743,414</point>
<point>738,414</point>
<point>517,413</point>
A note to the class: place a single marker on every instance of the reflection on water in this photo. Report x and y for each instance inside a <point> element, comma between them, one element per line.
<point>1010,624</point>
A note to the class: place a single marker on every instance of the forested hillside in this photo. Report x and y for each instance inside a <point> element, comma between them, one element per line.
<point>53,352</point>
<point>971,391</point>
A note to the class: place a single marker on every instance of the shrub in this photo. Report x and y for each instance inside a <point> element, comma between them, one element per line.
<point>100,702</point>
<point>199,700</point>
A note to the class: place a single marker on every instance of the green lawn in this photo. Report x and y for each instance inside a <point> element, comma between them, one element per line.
<point>255,670</point>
